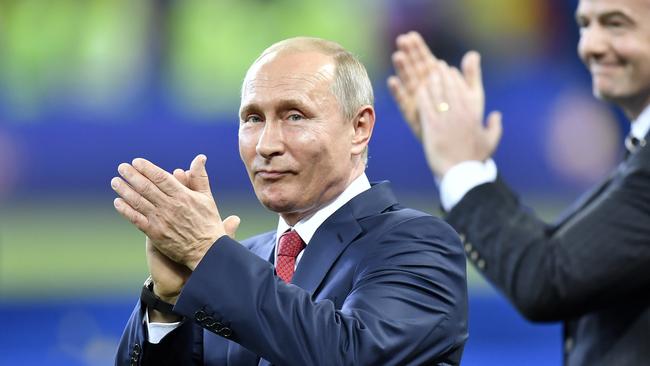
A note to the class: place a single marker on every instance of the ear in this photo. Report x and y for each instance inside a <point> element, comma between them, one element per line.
<point>363,123</point>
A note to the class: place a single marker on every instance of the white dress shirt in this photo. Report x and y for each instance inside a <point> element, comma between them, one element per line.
<point>641,125</point>
<point>461,178</point>
<point>306,228</point>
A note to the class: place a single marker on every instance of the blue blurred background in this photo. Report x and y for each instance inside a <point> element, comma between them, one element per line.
<point>85,85</point>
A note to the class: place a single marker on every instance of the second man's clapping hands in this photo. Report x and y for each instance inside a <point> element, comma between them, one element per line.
<point>443,106</point>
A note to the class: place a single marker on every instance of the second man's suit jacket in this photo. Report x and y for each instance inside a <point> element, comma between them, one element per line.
<point>378,284</point>
<point>591,270</point>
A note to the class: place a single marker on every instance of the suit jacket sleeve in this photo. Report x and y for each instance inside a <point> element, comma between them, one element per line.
<point>599,256</point>
<point>182,346</point>
<point>407,302</point>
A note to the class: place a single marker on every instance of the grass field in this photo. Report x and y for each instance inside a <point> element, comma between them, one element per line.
<point>83,248</point>
<point>60,248</point>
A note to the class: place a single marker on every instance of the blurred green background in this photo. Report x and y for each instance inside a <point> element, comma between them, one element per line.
<point>59,250</point>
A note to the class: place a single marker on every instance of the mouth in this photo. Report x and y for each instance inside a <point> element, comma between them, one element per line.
<point>272,174</point>
<point>604,68</point>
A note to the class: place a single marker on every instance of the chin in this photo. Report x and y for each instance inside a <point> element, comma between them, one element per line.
<point>275,202</point>
<point>607,94</point>
<point>614,96</point>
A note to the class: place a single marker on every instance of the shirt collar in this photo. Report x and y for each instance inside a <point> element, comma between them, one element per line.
<point>641,125</point>
<point>307,227</point>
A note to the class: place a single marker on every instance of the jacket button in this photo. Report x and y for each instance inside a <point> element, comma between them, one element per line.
<point>481,264</point>
<point>136,349</point>
<point>468,247</point>
<point>474,255</point>
<point>213,324</point>
<point>225,332</point>
<point>200,316</point>
<point>462,237</point>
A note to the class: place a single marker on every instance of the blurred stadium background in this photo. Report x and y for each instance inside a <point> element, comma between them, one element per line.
<point>85,85</point>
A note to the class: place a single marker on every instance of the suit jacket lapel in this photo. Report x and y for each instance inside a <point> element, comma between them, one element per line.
<point>585,199</point>
<point>264,248</point>
<point>337,233</point>
<point>621,169</point>
<point>329,241</point>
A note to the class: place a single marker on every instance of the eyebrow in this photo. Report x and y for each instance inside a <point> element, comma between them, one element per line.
<point>283,105</point>
<point>606,15</point>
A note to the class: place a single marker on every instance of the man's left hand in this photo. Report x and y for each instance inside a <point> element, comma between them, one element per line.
<point>182,223</point>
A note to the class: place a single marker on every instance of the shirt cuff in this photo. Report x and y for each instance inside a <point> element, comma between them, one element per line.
<point>157,331</point>
<point>461,178</point>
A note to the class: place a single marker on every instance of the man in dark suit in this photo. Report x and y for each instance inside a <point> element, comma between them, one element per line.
<point>348,278</point>
<point>589,270</point>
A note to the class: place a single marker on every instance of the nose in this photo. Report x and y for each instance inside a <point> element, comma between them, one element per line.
<point>593,43</point>
<point>271,141</point>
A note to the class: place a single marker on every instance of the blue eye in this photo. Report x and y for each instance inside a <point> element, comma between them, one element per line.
<point>253,118</point>
<point>296,117</point>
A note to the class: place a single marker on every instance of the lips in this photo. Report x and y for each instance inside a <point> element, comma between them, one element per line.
<point>604,68</point>
<point>272,174</point>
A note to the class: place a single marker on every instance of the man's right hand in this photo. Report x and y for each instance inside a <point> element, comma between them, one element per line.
<point>443,106</point>
<point>168,276</point>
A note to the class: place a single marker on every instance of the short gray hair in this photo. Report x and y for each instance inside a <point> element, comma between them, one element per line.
<point>351,86</point>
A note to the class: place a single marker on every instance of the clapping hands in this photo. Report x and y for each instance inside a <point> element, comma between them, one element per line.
<point>443,106</point>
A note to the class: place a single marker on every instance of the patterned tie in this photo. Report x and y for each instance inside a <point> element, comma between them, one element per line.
<point>289,246</point>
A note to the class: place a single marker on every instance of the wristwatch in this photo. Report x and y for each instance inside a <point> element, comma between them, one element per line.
<point>154,302</point>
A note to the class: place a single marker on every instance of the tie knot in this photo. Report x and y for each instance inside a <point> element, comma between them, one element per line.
<point>290,244</point>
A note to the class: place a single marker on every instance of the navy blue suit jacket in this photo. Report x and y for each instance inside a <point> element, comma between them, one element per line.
<point>378,284</point>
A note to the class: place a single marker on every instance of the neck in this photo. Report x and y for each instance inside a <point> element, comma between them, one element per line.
<point>328,196</point>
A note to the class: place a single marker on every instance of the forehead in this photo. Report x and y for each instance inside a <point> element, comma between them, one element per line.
<point>631,8</point>
<point>292,75</point>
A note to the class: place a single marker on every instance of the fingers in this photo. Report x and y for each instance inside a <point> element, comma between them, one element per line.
<point>231,224</point>
<point>406,72</point>
<point>396,89</point>
<point>131,197</point>
<point>406,103</point>
<point>135,217</point>
<point>141,184</point>
<point>438,86</point>
<point>456,87</point>
<point>471,66</point>
<point>413,60</point>
<point>419,54</point>
<point>447,90</point>
<point>494,130</point>
<point>198,177</point>
<point>163,180</point>
<point>180,175</point>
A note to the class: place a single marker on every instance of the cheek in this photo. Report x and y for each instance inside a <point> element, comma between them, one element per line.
<point>247,145</point>
<point>304,143</point>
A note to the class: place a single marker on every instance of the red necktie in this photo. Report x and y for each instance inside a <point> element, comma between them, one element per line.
<point>289,246</point>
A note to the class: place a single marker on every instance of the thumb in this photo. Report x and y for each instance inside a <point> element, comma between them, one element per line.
<point>198,177</point>
<point>231,224</point>
<point>493,130</point>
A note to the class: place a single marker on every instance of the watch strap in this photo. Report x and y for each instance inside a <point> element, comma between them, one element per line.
<point>149,298</point>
